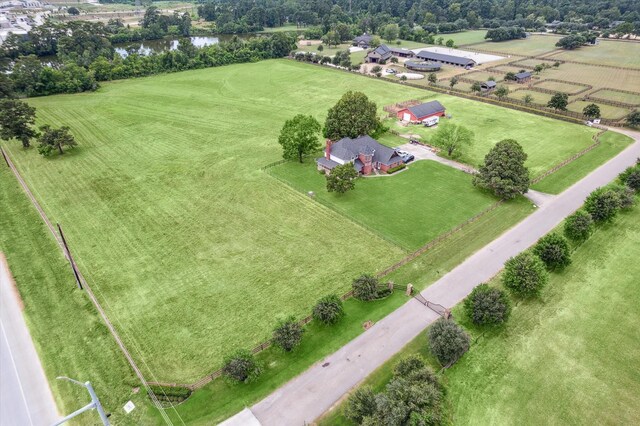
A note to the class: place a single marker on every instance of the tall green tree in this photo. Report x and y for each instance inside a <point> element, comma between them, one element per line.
<point>503,171</point>
<point>342,178</point>
<point>433,78</point>
<point>487,305</point>
<point>299,137</point>
<point>559,101</point>
<point>502,92</point>
<point>452,138</point>
<point>390,32</point>
<point>447,341</point>
<point>51,139</point>
<point>591,111</point>
<point>16,119</point>
<point>633,119</point>
<point>553,249</point>
<point>354,115</point>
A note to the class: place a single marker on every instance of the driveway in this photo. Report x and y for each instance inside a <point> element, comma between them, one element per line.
<point>25,397</point>
<point>422,152</point>
<point>309,395</point>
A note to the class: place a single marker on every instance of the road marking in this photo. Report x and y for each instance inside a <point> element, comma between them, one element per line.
<point>13,362</point>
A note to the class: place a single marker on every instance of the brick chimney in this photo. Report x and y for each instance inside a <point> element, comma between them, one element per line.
<point>327,149</point>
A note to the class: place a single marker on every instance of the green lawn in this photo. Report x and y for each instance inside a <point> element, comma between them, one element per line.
<point>184,239</point>
<point>531,46</point>
<point>613,53</point>
<point>607,111</point>
<point>409,208</point>
<point>568,358</point>
<point>70,337</point>
<point>612,95</point>
<point>464,37</point>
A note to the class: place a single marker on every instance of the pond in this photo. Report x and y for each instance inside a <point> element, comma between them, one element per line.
<point>148,47</point>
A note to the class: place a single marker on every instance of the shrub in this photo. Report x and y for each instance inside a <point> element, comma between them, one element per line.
<point>631,178</point>
<point>170,393</point>
<point>328,310</point>
<point>603,204</point>
<point>626,196</point>
<point>525,275</point>
<point>396,168</point>
<point>241,366</point>
<point>578,226</point>
<point>360,404</point>
<point>448,341</point>
<point>287,334</point>
<point>554,251</point>
<point>487,305</point>
<point>365,287</point>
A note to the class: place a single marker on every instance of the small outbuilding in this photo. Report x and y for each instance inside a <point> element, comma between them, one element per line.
<point>419,113</point>
<point>488,86</point>
<point>523,77</point>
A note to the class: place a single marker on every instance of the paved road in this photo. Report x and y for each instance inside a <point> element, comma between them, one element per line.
<point>309,395</point>
<point>25,397</point>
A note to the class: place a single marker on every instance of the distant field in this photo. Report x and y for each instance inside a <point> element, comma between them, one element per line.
<point>465,37</point>
<point>557,360</point>
<point>614,53</point>
<point>410,208</point>
<point>533,62</point>
<point>509,68</point>
<point>607,111</point>
<point>484,76</point>
<point>532,46</point>
<point>557,86</point>
<point>629,98</point>
<point>283,28</point>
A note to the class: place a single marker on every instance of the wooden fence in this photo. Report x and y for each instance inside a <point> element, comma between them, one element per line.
<point>586,87</point>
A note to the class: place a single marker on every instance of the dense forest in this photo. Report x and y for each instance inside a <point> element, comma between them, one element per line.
<point>231,16</point>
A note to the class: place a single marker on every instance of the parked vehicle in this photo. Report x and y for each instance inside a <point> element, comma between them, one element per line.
<point>390,71</point>
<point>408,157</point>
<point>431,121</point>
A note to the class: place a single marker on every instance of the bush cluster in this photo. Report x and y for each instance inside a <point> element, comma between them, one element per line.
<point>365,287</point>
<point>241,366</point>
<point>328,310</point>
<point>396,168</point>
<point>412,397</point>
<point>487,305</point>
<point>553,249</point>
<point>172,394</point>
<point>447,341</point>
<point>579,226</point>
<point>288,334</point>
<point>525,274</point>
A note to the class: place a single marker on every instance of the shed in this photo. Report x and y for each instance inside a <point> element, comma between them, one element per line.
<point>421,112</point>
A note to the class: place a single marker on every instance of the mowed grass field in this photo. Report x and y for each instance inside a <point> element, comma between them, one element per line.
<point>407,207</point>
<point>531,46</point>
<point>568,358</point>
<point>192,249</point>
<point>613,53</point>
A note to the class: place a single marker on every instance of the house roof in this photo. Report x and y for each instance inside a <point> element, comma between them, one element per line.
<point>364,38</point>
<point>329,164</point>
<point>442,57</point>
<point>489,83</point>
<point>348,149</point>
<point>426,109</point>
<point>522,75</point>
<point>397,50</point>
<point>429,66</point>
<point>383,51</point>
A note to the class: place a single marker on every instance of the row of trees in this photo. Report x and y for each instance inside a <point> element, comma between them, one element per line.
<point>30,77</point>
<point>505,33</point>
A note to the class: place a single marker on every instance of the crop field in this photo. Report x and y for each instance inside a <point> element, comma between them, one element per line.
<point>628,98</point>
<point>405,208</point>
<point>185,240</point>
<point>557,360</point>
<point>538,97</point>
<point>558,86</point>
<point>607,111</point>
<point>613,53</point>
<point>532,46</point>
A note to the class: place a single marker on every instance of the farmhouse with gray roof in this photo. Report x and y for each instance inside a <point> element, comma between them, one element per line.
<point>363,41</point>
<point>365,153</point>
<point>443,58</point>
<point>379,54</point>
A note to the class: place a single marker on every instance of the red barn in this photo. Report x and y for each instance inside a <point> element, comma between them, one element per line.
<point>418,113</point>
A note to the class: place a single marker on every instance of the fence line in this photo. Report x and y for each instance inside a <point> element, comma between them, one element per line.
<point>612,102</point>
<point>542,89</point>
<point>84,283</point>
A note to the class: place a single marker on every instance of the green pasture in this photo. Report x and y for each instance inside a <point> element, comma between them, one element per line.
<point>531,46</point>
<point>558,86</point>
<point>598,77</point>
<point>607,111</point>
<point>483,76</point>
<point>68,333</point>
<point>538,97</point>
<point>464,37</point>
<point>612,53</point>
<point>407,208</point>
<point>185,240</point>
<point>562,359</point>
<point>611,95</point>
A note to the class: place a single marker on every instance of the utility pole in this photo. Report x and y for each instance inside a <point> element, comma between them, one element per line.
<point>68,253</point>
<point>93,405</point>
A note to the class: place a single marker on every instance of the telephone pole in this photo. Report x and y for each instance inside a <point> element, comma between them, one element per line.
<point>93,405</point>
